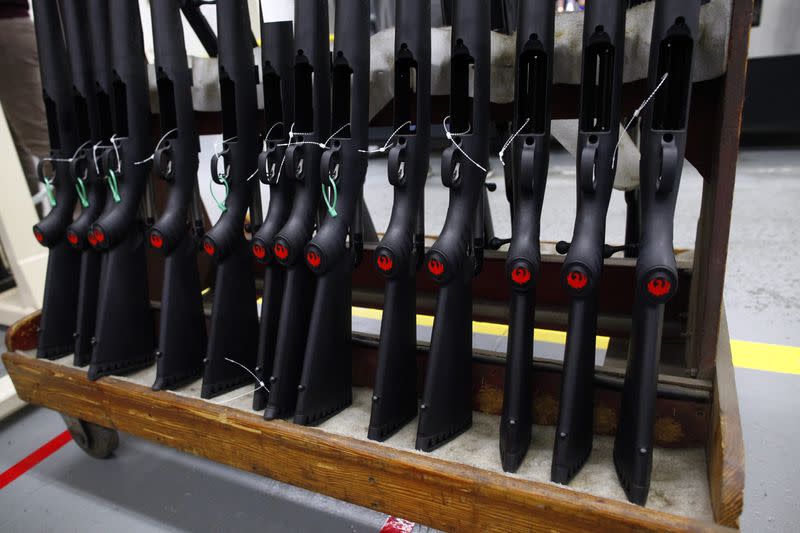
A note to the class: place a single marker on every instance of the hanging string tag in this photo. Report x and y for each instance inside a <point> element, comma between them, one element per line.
<point>112,184</point>
<point>511,140</point>
<point>332,190</point>
<point>450,137</point>
<point>48,186</point>
<point>80,188</point>
<point>223,178</point>
<point>636,115</point>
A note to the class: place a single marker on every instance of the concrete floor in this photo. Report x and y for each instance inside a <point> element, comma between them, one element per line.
<point>150,488</point>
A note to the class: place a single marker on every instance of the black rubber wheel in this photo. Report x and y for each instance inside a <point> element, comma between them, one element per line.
<point>97,441</point>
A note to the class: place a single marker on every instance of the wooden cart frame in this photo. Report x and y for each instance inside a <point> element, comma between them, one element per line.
<point>696,387</point>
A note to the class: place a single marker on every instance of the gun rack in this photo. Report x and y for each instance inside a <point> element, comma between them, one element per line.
<point>697,419</point>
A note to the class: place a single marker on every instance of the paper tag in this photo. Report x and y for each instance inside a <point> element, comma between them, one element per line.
<point>277,10</point>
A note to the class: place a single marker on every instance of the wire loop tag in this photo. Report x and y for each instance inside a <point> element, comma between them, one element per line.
<point>450,136</point>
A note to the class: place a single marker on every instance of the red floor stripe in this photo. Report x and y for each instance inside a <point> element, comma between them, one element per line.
<point>397,525</point>
<point>34,459</point>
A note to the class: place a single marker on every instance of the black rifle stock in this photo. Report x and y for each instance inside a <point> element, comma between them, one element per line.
<point>277,42</point>
<point>182,333</point>
<point>59,310</point>
<point>531,154</point>
<point>326,380</point>
<point>446,408</point>
<point>400,252</point>
<point>598,132</point>
<point>124,334</point>
<point>663,143</point>
<point>94,127</point>
<point>234,318</point>
<point>312,119</point>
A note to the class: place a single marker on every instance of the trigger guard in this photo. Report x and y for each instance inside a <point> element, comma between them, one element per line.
<point>263,168</point>
<point>588,157</point>
<point>450,158</point>
<point>291,163</point>
<point>527,166</point>
<point>158,160</point>
<point>215,168</point>
<point>397,155</point>
<point>327,161</point>
<point>669,167</point>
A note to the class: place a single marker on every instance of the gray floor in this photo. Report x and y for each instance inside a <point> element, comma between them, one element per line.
<point>151,488</point>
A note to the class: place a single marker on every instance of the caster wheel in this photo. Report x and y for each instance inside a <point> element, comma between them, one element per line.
<point>97,441</point>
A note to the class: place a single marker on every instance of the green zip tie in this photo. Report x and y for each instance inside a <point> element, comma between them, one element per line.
<point>325,196</point>
<point>48,186</point>
<point>112,184</point>
<point>81,188</point>
<point>221,205</point>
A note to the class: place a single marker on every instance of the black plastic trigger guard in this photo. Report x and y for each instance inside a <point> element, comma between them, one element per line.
<point>397,156</point>
<point>588,160</point>
<point>669,165</point>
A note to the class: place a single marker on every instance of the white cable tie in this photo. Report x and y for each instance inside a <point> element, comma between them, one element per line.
<point>457,147</point>
<point>249,371</point>
<point>510,140</point>
<point>158,144</point>
<point>386,144</point>
<point>114,140</point>
<point>636,115</point>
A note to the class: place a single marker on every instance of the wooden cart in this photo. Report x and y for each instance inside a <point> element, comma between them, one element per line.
<point>696,413</point>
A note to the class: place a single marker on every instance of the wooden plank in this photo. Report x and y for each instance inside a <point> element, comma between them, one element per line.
<point>438,493</point>
<point>725,448</point>
<point>711,247</point>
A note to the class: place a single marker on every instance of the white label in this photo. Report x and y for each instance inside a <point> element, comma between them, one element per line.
<point>277,10</point>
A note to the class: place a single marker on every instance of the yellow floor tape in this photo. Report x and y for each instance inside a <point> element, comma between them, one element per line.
<point>754,355</point>
<point>766,357</point>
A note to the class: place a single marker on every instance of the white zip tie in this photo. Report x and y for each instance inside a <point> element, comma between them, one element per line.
<point>324,145</point>
<point>450,138</point>
<point>283,159</point>
<point>386,144</point>
<point>636,115</point>
<point>67,160</point>
<point>158,144</point>
<point>510,140</point>
<point>261,384</point>
<point>113,140</point>
<point>94,154</point>
<point>248,393</point>
<point>223,141</point>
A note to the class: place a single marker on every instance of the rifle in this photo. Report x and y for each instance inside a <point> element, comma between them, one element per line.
<point>455,257</point>
<point>63,264</point>
<point>124,331</point>
<point>182,333</point>
<point>601,87</point>
<point>326,380</point>
<point>401,251</point>
<point>278,81</point>
<point>663,142</point>
<point>312,104</point>
<point>531,155</point>
<point>234,319</point>
<point>93,128</point>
